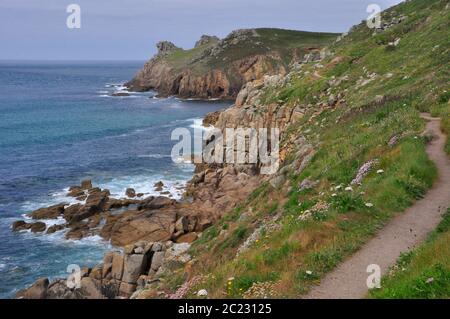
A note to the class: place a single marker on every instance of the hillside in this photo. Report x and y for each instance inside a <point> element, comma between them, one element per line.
<point>217,68</point>
<point>353,157</point>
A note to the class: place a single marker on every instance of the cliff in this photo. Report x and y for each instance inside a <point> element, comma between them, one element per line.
<point>219,68</point>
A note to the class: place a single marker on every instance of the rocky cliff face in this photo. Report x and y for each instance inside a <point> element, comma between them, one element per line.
<point>219,68</point>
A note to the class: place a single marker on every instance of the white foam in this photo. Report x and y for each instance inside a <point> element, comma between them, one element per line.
<point>198,124</point>
<point>145,185</point>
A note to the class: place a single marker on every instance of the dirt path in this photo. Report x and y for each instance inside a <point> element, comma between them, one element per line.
<point>401,234</point>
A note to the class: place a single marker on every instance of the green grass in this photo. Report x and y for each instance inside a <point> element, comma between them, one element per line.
<point>424,272</point>
<point>299,252</point>
<point>285,42</point>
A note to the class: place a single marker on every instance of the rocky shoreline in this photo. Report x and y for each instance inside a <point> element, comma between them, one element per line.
<point>154,234</point>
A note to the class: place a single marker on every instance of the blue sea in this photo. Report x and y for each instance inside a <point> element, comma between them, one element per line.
<point>59,124</point>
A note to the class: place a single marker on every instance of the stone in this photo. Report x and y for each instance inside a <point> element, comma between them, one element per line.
<point>38,227</point>
<point>90,288</point>
<point>127,289</point>
<point>156,202</point>
<point>148,226</point>
<point>71,211</point>
<point>75,191</point>
<point>20,225</point>
<point>203,224</point>
<point>130,192</point>
<point>187,238</point>
<point>55,228</point>
<point>107,263</point>
<point>51,212</point>
<point>117,266</point>
<point>182,225</point>
<point>157,246</point>
<point>96,272</point>
<point>139,250</point>
<point>157,260</point>
<point>206,39</point>
<point>86,184</point>
<point>158,186</point>
<point>128,249</point>
<point>121,94</point>
<point>59,290</point>
<point>37,291</point>
<point>134,266</point>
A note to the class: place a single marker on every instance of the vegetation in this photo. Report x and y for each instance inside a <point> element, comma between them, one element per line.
<point>285,42</point>
<point>384,88</point>
<point>424,272</point>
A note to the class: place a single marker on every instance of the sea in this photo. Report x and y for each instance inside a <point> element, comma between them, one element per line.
<point>60,124</point>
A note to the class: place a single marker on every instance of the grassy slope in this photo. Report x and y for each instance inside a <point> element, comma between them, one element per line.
<point>298,254</point>
<point>423,273</point>
<point>282,41</point>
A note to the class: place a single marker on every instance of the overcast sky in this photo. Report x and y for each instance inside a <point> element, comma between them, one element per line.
<point>129,30</point>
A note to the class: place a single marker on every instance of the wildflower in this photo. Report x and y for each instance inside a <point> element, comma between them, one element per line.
<point>380,171</point>
<point>369,205</point>
<point>309,272</point>
<point>349,189</point>
<point>333,195</point>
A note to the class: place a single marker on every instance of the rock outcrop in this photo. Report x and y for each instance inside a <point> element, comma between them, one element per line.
<point>219,68</point>
<point>118,276</point>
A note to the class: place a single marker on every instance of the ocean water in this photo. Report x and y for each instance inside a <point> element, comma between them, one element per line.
<point>59,125</point>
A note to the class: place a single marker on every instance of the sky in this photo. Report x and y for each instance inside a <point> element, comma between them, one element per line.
<point>129,30</point>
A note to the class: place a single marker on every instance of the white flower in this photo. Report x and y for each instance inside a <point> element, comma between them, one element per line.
<point>333,195</point>
<point>338,187</point>
<point>369,205</point>
<point>309,272</point>
<point>349,189</point>
<point>380,171</point>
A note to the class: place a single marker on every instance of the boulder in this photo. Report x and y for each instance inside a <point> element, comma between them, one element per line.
<point>107,264</point>
<point>117,266</point>
<point>37,291</point>
<point>121,94</point>
<point>206,39</point>
<point>149,226</point>
<point>134,266</point>
<point>20,225</point>
<point>51,212</point>
<point>130,192</point>
<point>127,289</point>
<point>157,260</point>
<point>86,184</point>
<point>203,224</point>
<point>55,228</point>
<point>38,227</point>
<point>155,202</point>
<point>96,272</point>
<point>91,288</point>
<point>158,186</point>
<point>71,211</point>
<point>182,225</point>
<point>59,290</point>
<point>75,191</point>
